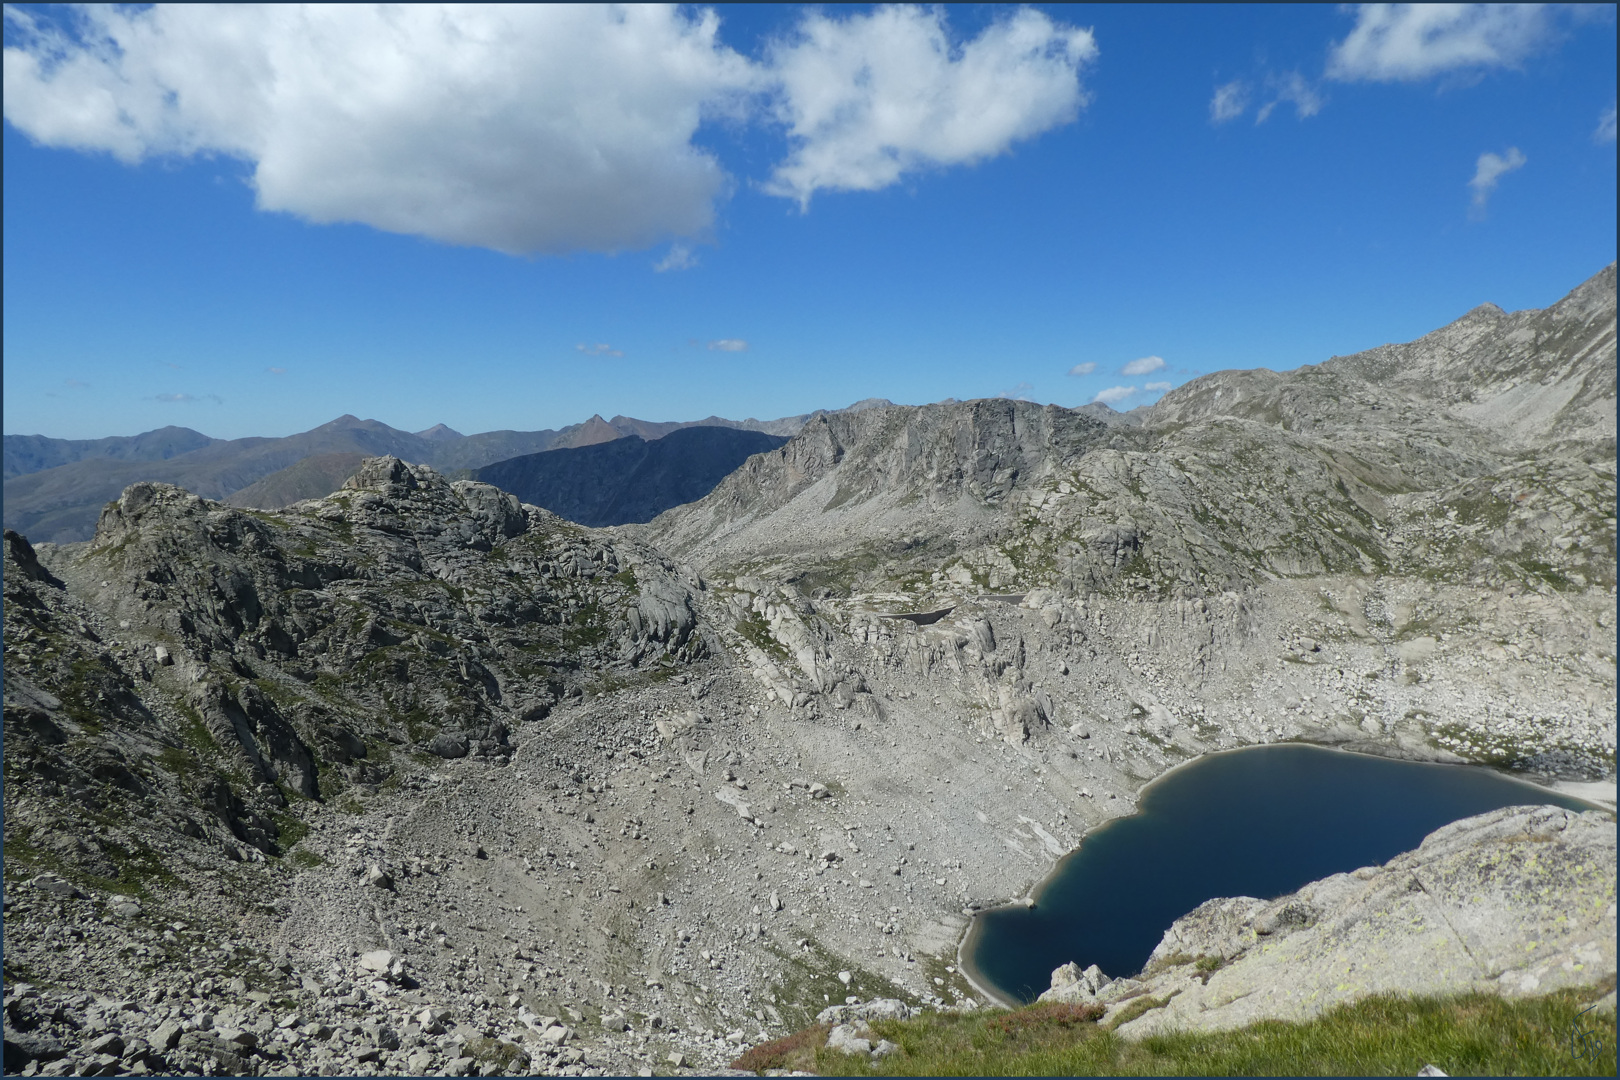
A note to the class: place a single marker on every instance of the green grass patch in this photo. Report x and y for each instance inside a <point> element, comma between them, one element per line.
<point>809,983</point>
<point>193,730</point>
<point>305,859</point>
<point>265,516</point>
<point>839,574</point>
<point>756,631</point>
<point>176,760</point>
<point>290,828</point>
<point>504,1056</point>
<point>139,869</point>
<point>1548,573</point>
<point>951,984</point>
<point>1387,1035</point>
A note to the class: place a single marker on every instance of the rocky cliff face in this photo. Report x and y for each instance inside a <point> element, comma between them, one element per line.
<point>706,777</point>
<point>1349,550</point>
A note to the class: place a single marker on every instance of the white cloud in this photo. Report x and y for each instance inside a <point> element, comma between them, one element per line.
<point>187,399</point>
<point>1291,89</point>
<point>1143,366</point>
<point>1229,102</point>
<point>1156,387</point>
<point>1018,393</point>
<point>530,129</point>
<point>599,350</point>
<point>1605,129</point>
<point>1408,42</point>
<point>276,370</point>
<point>1487,171</point>
<point>524,128</point>
<point>728,345</point>
<point>680,257</point>
<point>1114,394</point>
<point>871,97</point>
<point>1083,369</point>
<point>76,384</point>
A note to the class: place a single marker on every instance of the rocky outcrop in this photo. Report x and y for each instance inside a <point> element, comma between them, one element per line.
<point>1516,901</point>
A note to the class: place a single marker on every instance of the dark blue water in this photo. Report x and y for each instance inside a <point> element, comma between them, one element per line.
<point>1261,821</point>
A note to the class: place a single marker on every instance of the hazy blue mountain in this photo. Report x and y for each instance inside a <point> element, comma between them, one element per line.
<point>55,488</point>
<point>61,504</point>
<point>34,453</point>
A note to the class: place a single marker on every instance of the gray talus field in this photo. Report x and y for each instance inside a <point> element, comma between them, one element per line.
<point>607,796</point>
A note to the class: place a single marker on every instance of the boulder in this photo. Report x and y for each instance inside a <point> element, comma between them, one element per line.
<point>110,1043</point>
<point>25,1046</point>
<point>58,886</point>
<point>448,745</point>
<point>125,907</point>
<point>845,1039</point>
<point>1071,984</point>
<point>383,964</point>
<point>876,1009</point>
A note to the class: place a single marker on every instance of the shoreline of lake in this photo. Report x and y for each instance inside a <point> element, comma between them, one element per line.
<point>1588,792</point>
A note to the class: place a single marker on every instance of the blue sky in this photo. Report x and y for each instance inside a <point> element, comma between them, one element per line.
<point>249,221</point>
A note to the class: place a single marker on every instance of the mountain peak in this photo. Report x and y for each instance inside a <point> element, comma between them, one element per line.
<point>595,430</point>
<point>440,433</point>
<point>869,403</point>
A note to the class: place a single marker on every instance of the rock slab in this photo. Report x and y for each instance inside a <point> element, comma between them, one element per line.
<point>1517,901</point>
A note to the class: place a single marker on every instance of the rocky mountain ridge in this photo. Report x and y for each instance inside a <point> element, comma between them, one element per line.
<point>604,796</point>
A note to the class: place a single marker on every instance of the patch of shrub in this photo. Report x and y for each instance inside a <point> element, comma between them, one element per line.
<point>1046,1015</point>
<point>796,1051</point>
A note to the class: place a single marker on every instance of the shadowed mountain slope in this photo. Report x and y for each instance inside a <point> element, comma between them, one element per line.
<point>629,479</point>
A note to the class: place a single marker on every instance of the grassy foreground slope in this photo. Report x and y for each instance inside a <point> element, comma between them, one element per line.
<point>1472,1035</point>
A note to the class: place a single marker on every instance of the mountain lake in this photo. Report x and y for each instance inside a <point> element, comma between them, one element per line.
<point>1261,821</point>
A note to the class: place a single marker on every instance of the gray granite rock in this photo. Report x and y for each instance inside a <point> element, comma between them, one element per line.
<point>1516,901</point>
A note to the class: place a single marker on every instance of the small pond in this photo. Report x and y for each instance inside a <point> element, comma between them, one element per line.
<point>1261,821</point>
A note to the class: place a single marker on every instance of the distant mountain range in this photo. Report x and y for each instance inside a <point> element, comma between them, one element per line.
<point>34,453</point>
<point>55,488</point>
